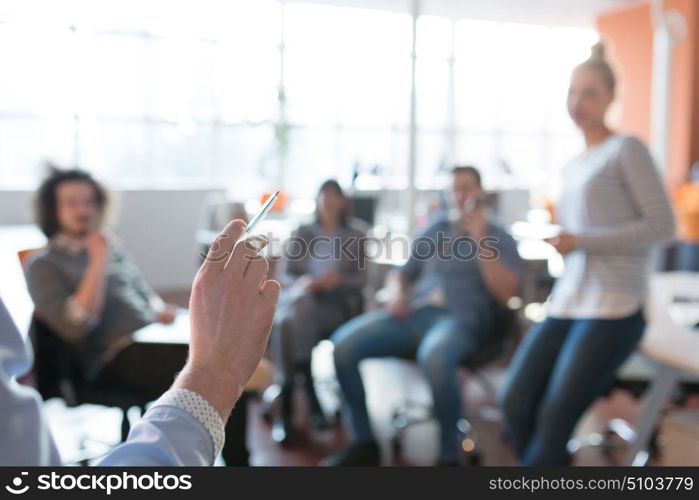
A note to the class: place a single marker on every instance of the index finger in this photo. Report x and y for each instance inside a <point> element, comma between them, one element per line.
<point>222,248</point>
<point>246,252</point>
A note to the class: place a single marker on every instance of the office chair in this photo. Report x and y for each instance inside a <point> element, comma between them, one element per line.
<point>634,377</point>
<point>58,373</point>
<point>408,413</point>
<point>270,404</point>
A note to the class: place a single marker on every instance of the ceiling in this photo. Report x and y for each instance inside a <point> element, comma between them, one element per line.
<point>550,12</point>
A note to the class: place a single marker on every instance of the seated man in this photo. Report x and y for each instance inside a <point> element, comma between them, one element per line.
<point>459,271</point>
<point>89,292</point>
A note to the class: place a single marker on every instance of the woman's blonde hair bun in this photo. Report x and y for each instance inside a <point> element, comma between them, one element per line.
<point>598,62</point>
<point>598,51</point>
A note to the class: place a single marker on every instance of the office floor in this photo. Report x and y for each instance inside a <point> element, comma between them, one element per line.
<point>90,430</point>
<point>494,450</point>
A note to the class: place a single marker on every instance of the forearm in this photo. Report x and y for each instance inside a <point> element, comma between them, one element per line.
<point>499,279</point>
<point>90,294</point>
<point>634,234</point>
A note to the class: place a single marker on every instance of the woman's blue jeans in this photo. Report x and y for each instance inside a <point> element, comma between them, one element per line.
<point>559,370</point>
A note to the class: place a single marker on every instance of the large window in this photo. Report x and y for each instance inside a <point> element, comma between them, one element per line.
<point>493,95</point>
<point>252,94</point>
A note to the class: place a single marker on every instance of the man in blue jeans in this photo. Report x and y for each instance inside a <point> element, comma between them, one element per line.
<point>459,270</point>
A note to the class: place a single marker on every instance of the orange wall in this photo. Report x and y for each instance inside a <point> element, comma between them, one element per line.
<point>629,38</point>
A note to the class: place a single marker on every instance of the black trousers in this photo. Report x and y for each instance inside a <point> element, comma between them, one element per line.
<point>149,369</point>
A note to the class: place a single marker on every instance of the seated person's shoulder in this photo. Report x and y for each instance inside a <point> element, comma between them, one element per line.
<point>44,267</point>
<point>436,223</point>
<point>43,260</point>
<point>506,244</point>
<point>305,231</point>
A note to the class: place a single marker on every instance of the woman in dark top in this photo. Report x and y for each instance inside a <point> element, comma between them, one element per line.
<point>322,277</point>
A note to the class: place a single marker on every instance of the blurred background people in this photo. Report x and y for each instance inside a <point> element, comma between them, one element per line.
<point>612,210</point>
<point>442,310</point>
<point>323,273</point>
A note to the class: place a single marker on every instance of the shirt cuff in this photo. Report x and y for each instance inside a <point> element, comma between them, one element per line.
<point>199,408</point>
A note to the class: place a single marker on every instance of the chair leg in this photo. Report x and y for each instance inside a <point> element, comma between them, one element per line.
<point>270,402</point>
<point>125,424</point>
<point>316,415</point>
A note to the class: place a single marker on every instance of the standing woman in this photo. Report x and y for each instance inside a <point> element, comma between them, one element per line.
<point>613,209</point>
<point>323,276</point>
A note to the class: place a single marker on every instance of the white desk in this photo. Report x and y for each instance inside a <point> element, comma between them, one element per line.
<point>178,333</point>
<point>157,333</point>
<point>672,343</point>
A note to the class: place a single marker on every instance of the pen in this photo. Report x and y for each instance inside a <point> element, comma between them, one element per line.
<point>266,207</point>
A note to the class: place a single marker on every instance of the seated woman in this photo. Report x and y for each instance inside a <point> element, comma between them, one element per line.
<point>91,294</point>
<point>322,277</point>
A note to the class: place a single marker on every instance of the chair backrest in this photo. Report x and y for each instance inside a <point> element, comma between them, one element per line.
<point>24,256</point>
<point>504,334</point>
<point>57,369</point>
<point>505,324</point>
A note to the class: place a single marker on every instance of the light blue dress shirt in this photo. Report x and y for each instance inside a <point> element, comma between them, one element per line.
<point>167,435</point>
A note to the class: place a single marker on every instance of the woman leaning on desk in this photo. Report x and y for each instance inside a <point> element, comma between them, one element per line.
<point>613,209</point>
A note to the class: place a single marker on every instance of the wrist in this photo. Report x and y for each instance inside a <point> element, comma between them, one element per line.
<point>218,386</point>
<point>481,232</point>
<point>97,260</point>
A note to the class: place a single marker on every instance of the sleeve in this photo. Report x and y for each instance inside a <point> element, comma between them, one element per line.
<point>52,297</point>
<point>656,222</point>
<point>422,245</point>
<point>25,439</point>
<point>506,247</point>
<point>293,263</point>
<point>139,281</point>
<point>181,428</point>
